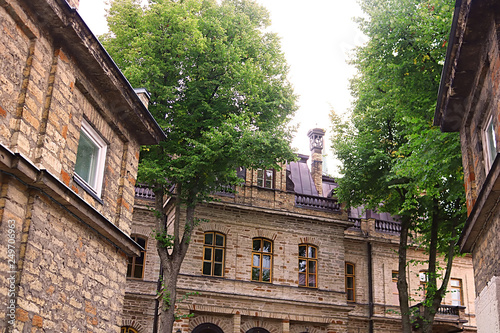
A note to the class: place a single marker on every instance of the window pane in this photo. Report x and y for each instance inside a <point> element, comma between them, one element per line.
<point>350,282</point>
<point>218,255</point>
<point>208,254</point>
<point>350,295</point>
<point>218,269</point>
<point>349,269</point>
<point>207,268</point>
<point>267,246</point>
<point>256,260</point>
<point>266,261</point>
<point>312,266</point>
<point>302,265</point>
<point>141,242</point>
<point>302,251</point>
<point>256,245</point>
<point>269,178</point>
<point>312,252</point>
<point>138,271</point>
<point>129,270</point>
<point>219,240</point>
<point>302,279</point>
<point>312,280</point>
<point>455,283</point>
<point>209,238</point>
<point>86,159</point>
<point>260,177</point>
<point>139,260</point>
<point>255,273</point>
<point>266,275</point>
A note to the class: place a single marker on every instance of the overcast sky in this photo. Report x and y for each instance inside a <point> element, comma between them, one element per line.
<point>317,37</point>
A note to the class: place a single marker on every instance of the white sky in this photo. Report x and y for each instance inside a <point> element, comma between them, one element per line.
<point>316,38</point>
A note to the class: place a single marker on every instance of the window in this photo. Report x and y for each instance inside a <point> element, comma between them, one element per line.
<point>394,287</point>
<point>135,267</point>
<point>308,265</point>
<point>128,329</point>
<point>490,143</point>
<point>213,254</point>
<point>262,259</point>
<point>89,166</point>
<point>265,178</point>
<point>456,292</point>
<point>349,282</point>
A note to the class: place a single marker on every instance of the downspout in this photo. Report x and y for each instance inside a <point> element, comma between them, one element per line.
<point>157,301</point>
<point>370,287</point>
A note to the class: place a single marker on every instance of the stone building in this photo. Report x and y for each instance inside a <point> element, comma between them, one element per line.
<point>469,102</point>
<point>70,131</point>
<point>281,255</point>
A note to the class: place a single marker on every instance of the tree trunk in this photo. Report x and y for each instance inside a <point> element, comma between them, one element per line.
<point>402,283</point>
<point>171,257</point>
<point>433,301</point>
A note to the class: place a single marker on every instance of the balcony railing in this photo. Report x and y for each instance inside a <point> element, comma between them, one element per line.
<point>357,223</point>
<point>453,312</point>
<point>450,310</point>
<point>314,202</point>
<point>388,226</point>
<point>144,193</point>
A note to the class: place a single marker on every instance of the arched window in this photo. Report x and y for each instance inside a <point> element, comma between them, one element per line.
<point>262,260</point>
<point>135,268</point>
<point>213,253</point>
<point>257,330</point>
<point>308,265</point>
<point>350,275</point>
<point>128,329</point>
<point>207,328</point>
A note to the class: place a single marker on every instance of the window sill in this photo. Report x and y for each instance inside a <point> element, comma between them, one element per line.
<point>87,189</point>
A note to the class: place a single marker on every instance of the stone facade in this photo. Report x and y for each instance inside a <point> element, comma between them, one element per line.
<point>234,303</point>
<point>469,103</point>
<point>64,242</point>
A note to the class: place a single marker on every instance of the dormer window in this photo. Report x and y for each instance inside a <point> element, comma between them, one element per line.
<point>265,178</point>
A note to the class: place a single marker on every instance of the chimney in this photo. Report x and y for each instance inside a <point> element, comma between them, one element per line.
<point>144,96</point>
<point>73,3</point>
<point>316,145</point>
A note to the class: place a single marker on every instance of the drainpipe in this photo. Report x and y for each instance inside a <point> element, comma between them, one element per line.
<point>157,301</point>
<point>370,287</point>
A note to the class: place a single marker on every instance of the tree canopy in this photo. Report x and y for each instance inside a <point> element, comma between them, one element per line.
<point>219,89</point>
<point>218,86</point>
<point>393,159</point>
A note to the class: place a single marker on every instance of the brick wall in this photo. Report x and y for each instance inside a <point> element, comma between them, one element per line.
<point>69,245</point>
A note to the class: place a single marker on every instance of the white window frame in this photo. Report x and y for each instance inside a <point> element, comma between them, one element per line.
<point>96,185</point>
<point>489,143</point>
<point>456,289</point>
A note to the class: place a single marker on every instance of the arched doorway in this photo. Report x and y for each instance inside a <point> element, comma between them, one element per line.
<point>257,330</point>
<point>207,328</point>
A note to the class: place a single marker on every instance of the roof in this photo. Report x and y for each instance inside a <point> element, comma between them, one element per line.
<point>71,32</point>
<point>301,176</point>
<point>464,56</point>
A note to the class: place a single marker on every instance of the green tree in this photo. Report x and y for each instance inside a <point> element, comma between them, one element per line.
<point>219,89</point>
<point>393,159</point>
